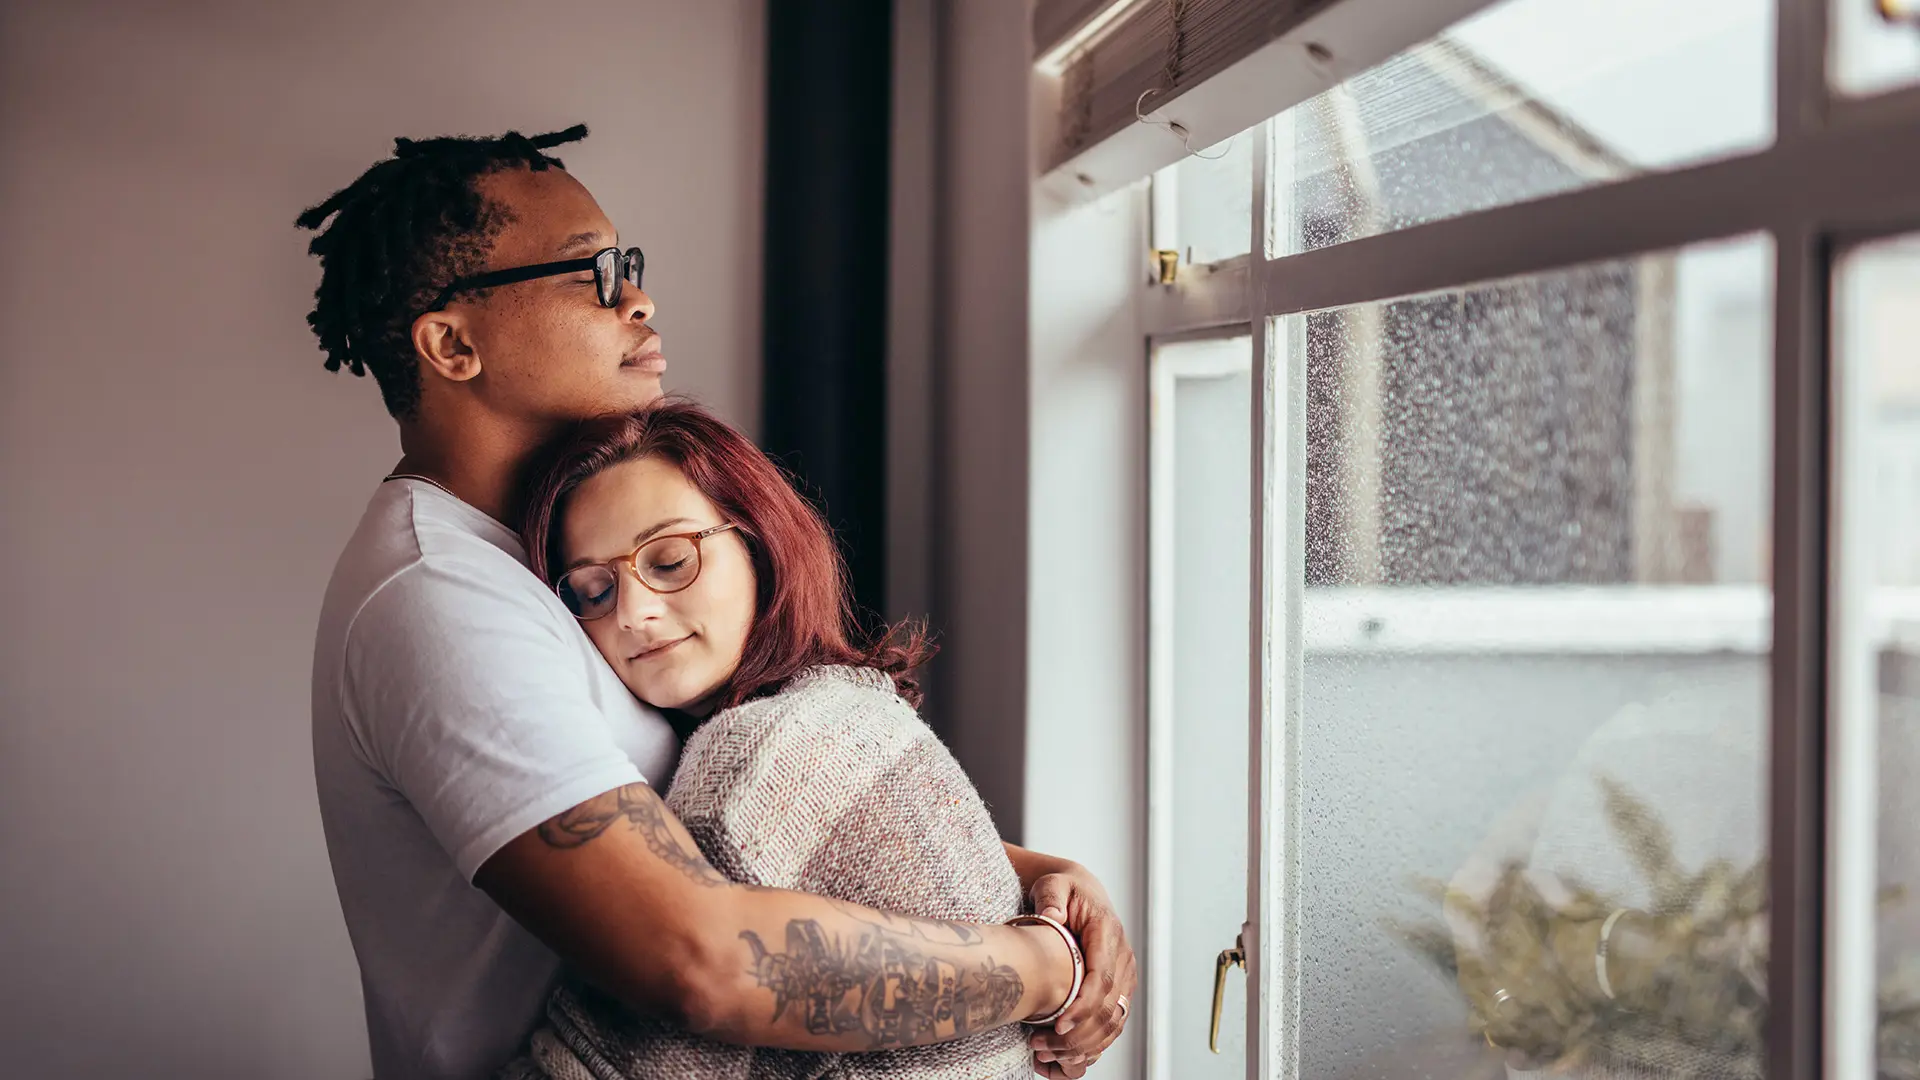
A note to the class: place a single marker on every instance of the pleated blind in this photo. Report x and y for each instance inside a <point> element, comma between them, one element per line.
<point>1156,48</point>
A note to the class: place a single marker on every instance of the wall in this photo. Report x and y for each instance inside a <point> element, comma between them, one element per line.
<point>179,470</point>
<point>977,383</point>
<point>1086,650</point>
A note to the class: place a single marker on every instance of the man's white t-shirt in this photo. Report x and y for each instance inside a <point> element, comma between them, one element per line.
<point>456,704</point>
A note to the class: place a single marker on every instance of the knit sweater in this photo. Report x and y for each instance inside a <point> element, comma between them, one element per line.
<point>832,786</point>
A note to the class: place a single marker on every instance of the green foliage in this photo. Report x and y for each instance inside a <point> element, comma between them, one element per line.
<point>1691,1000</point>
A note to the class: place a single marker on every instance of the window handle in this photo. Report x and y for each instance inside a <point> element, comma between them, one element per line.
<point>1234,957</point>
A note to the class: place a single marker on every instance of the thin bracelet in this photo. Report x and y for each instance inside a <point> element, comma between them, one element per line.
<point>1079,964</point>
<point>1600,952</point>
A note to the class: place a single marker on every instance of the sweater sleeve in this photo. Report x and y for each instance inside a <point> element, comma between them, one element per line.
<point>761,785</point>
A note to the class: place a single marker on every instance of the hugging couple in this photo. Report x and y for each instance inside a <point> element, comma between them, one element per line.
<point>564,578</point>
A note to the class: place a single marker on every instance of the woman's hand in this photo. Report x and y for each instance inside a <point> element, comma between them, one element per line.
<point>1076,898</point>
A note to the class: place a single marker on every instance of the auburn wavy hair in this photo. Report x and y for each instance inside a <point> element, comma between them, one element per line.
<point>804,612</point>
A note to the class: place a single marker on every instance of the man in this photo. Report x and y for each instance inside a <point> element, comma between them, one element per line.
<point>483,775</point>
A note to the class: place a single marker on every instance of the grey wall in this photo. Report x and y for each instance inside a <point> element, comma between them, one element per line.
<point>977,384</point>
<point>179,471</point>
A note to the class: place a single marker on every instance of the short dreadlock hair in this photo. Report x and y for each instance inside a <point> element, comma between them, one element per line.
<point>400,233</point>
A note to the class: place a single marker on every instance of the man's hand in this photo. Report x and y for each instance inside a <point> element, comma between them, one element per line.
<point>1076,898</point>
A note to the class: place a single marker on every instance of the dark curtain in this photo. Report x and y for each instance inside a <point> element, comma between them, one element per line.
<point>829,75</point>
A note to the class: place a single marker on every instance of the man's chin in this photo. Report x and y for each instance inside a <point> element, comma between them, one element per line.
<point>637,390</point>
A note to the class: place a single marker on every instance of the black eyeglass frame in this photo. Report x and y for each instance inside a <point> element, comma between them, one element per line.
<point>612,270</point>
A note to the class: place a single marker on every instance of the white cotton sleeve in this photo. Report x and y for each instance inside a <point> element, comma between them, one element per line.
<point>466,694</point>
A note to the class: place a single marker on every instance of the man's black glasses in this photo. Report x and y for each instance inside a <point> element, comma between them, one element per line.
<point>612,269</point>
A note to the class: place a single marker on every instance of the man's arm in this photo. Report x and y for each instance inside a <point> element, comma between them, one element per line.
<point>1067,891</point>
<point>618,888</point>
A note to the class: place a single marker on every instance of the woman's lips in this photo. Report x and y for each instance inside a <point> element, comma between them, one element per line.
<point>656,650</point>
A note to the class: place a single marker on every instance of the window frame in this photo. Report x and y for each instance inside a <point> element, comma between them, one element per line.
<point>1837,173</point>
<point>1164,373</point>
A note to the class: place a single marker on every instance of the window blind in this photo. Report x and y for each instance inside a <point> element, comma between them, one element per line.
<point>1057,21</point>
<point>1159,48</point>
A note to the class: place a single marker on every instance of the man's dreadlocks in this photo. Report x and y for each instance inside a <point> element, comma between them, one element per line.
<point>400,233</point>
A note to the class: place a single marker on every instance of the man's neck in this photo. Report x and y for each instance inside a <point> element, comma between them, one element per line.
<point>479,460</point>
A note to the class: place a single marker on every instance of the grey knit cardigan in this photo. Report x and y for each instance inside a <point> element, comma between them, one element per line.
<point>832,786</point>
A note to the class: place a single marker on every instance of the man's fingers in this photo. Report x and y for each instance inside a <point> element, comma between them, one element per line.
<point>1051,895</point>
<point>1091,1037</point>
<point>1104,943</point>
<point>1097,995</point>
<point>1071,1069</point>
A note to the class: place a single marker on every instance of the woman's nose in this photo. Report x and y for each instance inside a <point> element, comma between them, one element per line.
<point>636,602</point>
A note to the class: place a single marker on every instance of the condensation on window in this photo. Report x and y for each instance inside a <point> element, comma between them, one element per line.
<point>1536,644</point>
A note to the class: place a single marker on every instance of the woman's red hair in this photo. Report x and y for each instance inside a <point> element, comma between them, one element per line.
<point>804,615</point>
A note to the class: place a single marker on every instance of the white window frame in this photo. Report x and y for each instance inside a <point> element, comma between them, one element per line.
<point>1165,371</point>
<point>1840,171</point>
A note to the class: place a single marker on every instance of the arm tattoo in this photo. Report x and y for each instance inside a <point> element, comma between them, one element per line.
<point>883,986</point>
<point>641,808</point>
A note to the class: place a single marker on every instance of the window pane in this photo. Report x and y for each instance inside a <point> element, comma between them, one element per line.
<point>1201,454</point>
<point>1534,684</point>
<point>1527,99</point>
<point>1877,323</point>
<point>1203,204</point>
<point>1876,45</point>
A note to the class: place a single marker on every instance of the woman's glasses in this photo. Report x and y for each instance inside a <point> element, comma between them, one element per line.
<point>665,564</point>
<point>612,269</point>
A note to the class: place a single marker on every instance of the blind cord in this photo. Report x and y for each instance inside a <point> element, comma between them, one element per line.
<point>1177,129</point>
<point>1176,41</point>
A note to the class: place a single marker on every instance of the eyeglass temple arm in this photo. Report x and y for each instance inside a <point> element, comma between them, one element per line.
<point>509,277</point>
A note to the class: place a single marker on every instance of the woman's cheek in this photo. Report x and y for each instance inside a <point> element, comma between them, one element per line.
<point>743,626</point>
<point>602,636</point>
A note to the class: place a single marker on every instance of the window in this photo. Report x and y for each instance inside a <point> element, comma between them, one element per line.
<point>1526,99</point>
<point>1876,45</point>
<point>1877,617</point>
<point>1579,678</point>
<point>1203,205</point>
<point>1535,663</point>
<point>1200,446</point>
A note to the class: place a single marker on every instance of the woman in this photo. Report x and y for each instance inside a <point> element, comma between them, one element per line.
<point>716,592</point>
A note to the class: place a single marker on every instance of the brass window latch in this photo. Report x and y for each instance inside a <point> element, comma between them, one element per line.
<point>1234,957</point>
<point>1168,262</point>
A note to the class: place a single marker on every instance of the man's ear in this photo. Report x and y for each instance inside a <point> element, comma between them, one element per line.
<point>443,339</point>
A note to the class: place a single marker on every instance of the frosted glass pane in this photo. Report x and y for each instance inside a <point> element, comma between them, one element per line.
<point>1536,637</point>
<point>1527,99</point>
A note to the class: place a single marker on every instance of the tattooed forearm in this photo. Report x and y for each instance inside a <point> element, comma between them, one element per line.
<point>936,931</point>
<point>640,808</point>
<point>882,986</point>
